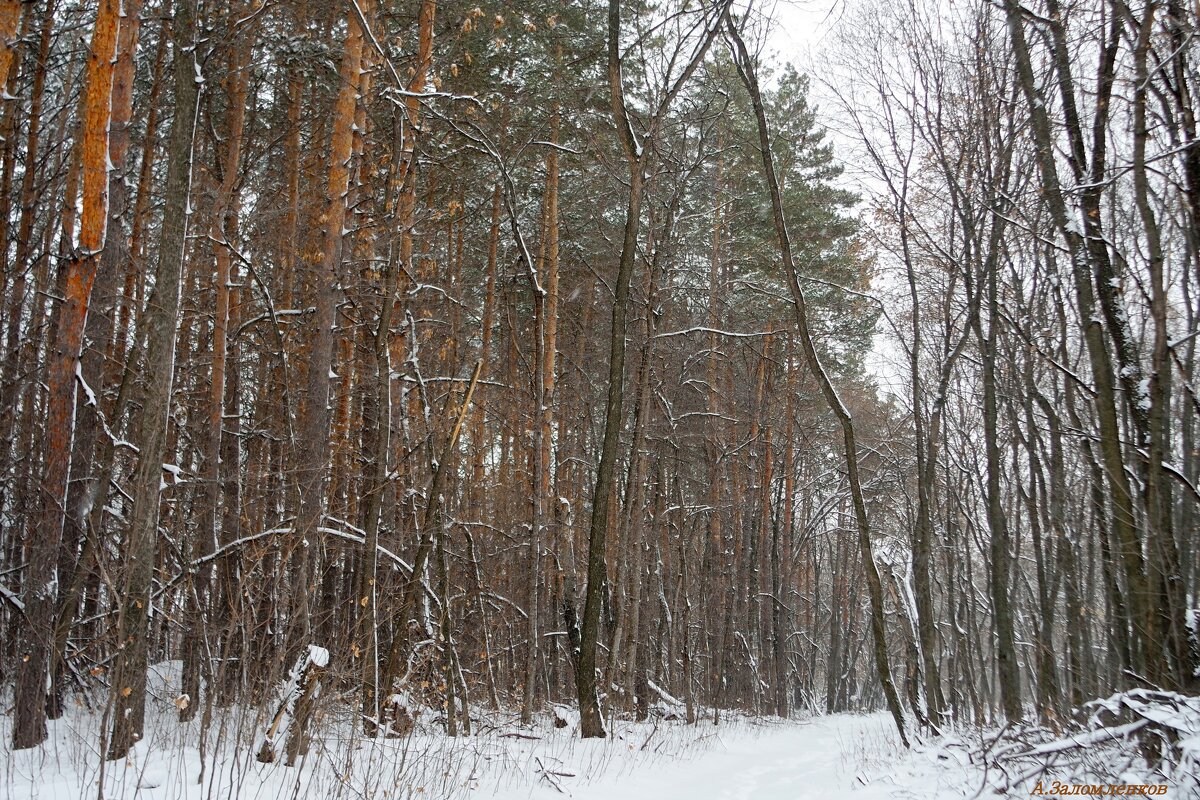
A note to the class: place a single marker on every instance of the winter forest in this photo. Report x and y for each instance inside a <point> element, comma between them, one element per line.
<point>517,398</point>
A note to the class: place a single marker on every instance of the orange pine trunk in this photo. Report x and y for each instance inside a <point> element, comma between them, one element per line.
<point>10,20</point>
<point>41,586</point>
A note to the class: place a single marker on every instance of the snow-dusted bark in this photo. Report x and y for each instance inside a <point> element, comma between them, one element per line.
<point>42,582</point>
<point>161,323</point>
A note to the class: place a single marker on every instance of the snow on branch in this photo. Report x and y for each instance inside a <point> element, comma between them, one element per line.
<point>1116,738</point>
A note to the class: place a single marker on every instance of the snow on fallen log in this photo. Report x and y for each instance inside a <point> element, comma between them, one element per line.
<point>301,689</point>
<point>669,707</point>
<point>1084,739</point>
<point>1147,732</point>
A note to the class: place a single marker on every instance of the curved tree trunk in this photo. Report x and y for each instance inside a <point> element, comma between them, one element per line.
<point>747,71</point>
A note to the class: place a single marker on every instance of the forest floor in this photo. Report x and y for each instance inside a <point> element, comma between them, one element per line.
<point>823,757</point>
<point>843,755</point>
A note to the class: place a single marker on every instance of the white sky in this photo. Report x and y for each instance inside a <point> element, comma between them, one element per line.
<point>800,26</point>
<point>800,30</point>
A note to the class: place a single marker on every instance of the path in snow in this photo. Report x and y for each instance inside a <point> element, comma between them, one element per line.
<point>842,756</point>
<point>826,757</point>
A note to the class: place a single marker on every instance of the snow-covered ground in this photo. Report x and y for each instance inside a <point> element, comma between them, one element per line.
<point>839,756</point>
<point>823,757</point>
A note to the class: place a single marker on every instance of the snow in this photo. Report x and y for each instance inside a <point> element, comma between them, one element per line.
<point>176,473</point>
<point>838,756</point>
<point>11,597</point>
<point>1143,394</point>
<point>666,696</point>
<point>319,656</point>
<point>83,384</point>
<point>775,761</point>
<point>1087,739</point>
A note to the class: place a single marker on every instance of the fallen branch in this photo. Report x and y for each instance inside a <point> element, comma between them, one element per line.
<point>296,699</point>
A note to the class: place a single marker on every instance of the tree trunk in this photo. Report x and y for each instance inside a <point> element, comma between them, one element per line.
<point>128,701</point>
<point>747,71</point>
<point>1147,649</point>
<point>10,21</point>
<point>41,583</point>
